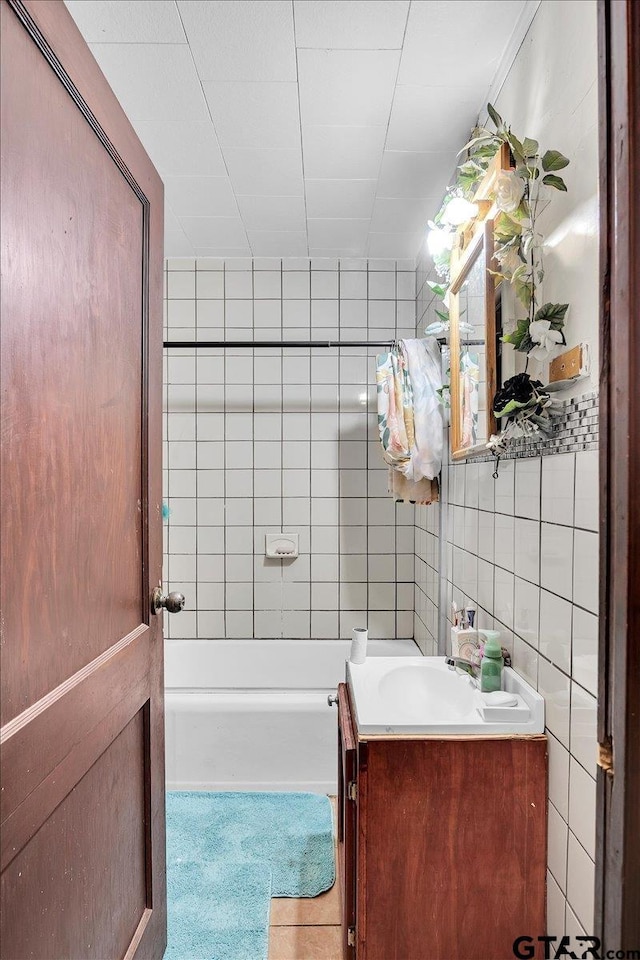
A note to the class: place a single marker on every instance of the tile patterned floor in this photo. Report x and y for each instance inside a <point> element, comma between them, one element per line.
<point>306,929</point>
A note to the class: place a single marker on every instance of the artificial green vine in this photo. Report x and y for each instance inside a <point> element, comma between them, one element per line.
<point>517,243</point>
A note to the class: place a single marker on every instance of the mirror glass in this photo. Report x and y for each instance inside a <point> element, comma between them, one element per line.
<point>472,313</point>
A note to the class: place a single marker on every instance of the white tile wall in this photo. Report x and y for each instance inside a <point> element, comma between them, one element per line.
<point>523,549</point>
<point>260,440</point>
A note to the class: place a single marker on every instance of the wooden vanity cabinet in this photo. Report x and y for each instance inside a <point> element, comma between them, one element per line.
<point>442,843</point>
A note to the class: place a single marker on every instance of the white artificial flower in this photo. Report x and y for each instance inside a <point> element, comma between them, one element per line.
<point>509,191</point>
<point>547,339</point>
<point>509,261</point>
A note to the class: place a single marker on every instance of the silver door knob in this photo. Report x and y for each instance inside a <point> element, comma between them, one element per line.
<point>171,602</point>
<point>331,700</point>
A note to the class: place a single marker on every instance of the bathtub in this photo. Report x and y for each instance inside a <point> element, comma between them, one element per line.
<point>253,714</point>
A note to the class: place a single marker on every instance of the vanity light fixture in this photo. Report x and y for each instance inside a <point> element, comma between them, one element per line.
<point>438,240</point>
<point>459,211</point>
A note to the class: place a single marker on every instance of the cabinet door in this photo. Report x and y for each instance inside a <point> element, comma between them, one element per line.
<point>347,765</point>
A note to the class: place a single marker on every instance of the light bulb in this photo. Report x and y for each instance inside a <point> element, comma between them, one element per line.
<point>459,210</point>
<point>438,241</point>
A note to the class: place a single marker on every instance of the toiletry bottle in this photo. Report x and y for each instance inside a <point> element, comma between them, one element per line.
<point>464,642</point>
<point>492,662</point>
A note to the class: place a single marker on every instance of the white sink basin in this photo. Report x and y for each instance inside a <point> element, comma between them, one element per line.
<point>421,695</point>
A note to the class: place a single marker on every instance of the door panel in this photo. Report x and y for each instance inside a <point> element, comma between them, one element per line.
<point>82,738</point>
<point>96,883</point>
<point>72,460</point>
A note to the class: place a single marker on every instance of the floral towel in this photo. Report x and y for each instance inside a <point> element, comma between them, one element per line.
<point>424,364</point>
<point>395,408</point>
<point>403,410</point>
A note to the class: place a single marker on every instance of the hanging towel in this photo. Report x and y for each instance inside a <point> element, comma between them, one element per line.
<point>424,365</point>
<point>395,408</point>
<point>409,421</point>
<point>421,492</point>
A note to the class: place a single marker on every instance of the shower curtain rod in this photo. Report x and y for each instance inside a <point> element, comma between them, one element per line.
<point>222,344</point>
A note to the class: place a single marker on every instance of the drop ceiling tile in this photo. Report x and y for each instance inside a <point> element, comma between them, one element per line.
<point>127,21</point>
<point>330,254</point>
<point>182,149</point>
<point>255,114</point>
<point>347,86</point>
<point>225,253</point>
<point>348,235</point>
<point>401,215</point>
<point>340,198</point>
<point>342,153</point>
<point>414,174</point>
<point>466,36</point>
<point>234,161</point>
<point>357,25</point>
<point>153,81</point>
<point>268,243</point>
<point>275,173</point>
<point>394,245</point>
<point>250,40</point>
<point>201,196</point>
<point>431,119</point>
<point>176,243</point>
<point>273,213</point>
<point>214,231</point>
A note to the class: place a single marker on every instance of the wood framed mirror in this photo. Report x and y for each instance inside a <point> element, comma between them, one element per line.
<point>472,314</point>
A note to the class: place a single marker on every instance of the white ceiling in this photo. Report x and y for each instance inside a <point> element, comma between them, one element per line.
<point>305,128</point>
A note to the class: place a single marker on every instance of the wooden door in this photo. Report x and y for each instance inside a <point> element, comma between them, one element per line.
<point>617,895</point>
<point>82,761</point>
<point>347,823</point>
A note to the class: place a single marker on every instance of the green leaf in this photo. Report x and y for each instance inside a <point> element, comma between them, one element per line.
<point>553,312</point>
<point>524,292</point>
<point>485,137</point>
<point>528,172</point>
<point>443,316</point>
<point>506,228</point>
<point>554,160</point>
<point>521,272</point>
<point>495,116</point>
<point>487,152</point>
<point>468,186</point>
<point>518,335</point>
<point>438,289</point>
<point>552,181</point>
<point>471,168</point>
<point>498,275</point>
<point>526,344</point>
<point>530,147</point>
<point>516,147</point>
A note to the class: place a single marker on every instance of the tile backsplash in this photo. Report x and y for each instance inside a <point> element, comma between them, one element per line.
<point>262,440</point>
<point>523,550</point>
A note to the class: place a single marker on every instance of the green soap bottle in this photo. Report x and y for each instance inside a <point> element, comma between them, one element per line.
<point>492,662</point>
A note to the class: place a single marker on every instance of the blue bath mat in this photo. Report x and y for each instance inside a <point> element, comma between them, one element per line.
<point>291,832</point>
<point>228,854</point>
<point>218,911</point>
